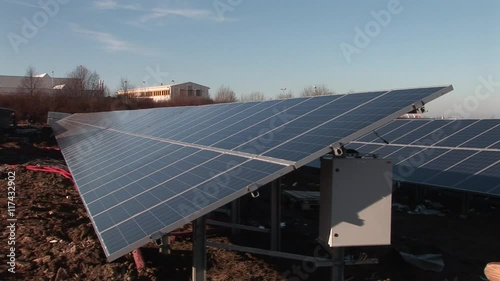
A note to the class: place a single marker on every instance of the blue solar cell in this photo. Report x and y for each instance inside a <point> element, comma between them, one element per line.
<point>372,137</point>
<point>114,241</point>
<point>487,181</point>
<point>354,145</point>
<point>496,145</point>
<point>486,139</point>
<point>386,151</point>
<point>243,119</point>
<point>428,126</point>
<point>450,170</point>
<point>430,165</point>
<point>443,132</point>
<point>280,126</point>
<point>407,127</point>
<point>465,169</point>
<point>410,169</point>
<point>369,148</point>
<point>184,131</point>
<point>148,223</point>
<point>131,231</point>
<point>465,134</point>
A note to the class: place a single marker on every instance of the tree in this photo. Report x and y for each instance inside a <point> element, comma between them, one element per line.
<point>254,96</point>
<point>225,94</point>
<point>125,86</point>
<point>30,83</point>
<point>284,95</point>
<point>319,90</point>
<point>84,83</point>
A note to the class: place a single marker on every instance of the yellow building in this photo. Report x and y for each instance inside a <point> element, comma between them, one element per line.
<point>167,92</point>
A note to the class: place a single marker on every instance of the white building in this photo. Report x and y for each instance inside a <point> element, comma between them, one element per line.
<point>167,92</point>
<point>13,84</point>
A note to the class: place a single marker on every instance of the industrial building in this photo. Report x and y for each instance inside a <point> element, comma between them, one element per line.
<point>13,84</point>
<point>167,92</point>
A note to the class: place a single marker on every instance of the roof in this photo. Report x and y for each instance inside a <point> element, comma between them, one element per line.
<point>7,81</point>
<point>189,82</point>
<point>10,81</point>
<point>159,87</point>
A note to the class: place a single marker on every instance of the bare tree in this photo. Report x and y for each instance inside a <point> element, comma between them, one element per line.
<point>253,96</point>
<point>30,83</point>
<point>318,90</point>
<point>84,83</point>
<point>125,86</point>
<point>284,95</point>
<point>225,94</point>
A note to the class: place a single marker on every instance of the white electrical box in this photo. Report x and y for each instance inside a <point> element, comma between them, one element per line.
<point>355,201</point>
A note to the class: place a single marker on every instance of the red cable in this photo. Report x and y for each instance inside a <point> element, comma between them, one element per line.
<point>55,170</point>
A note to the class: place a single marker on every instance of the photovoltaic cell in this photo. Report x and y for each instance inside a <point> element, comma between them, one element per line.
<point>467,133</point>
<point>53,116</point>
<point>144,173</point>
<point>486,139</point>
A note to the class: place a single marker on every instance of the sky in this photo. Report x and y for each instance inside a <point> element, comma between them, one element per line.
<point>267,46</point>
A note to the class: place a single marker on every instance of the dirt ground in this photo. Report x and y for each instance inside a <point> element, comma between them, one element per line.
<point>54,239</point>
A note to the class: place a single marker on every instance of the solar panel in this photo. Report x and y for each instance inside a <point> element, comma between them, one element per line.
<point>53,116</point>
<point>144,173</point>
<point>456,154</point>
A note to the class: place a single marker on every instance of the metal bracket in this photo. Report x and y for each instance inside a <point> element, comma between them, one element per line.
<point>338,151</point>
<point>156,236</point>
<point>419,108</point>
<point>325,246</point>
<point>253,190</point>
<point>255,194</point>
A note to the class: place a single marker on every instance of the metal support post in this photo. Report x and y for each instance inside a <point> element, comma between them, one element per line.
<point>235,215</point>
<point>165,245</point>
<point>199,271</point>
<point>338,264</point>
<point>465,204</point>
<point>276,215</point>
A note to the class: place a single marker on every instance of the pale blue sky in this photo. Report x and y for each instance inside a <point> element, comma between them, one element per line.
<point>256,45</point>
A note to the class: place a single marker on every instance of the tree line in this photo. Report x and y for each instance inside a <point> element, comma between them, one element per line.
<point>84,91</point>
<point>226,94</point>
<point>80,82</point>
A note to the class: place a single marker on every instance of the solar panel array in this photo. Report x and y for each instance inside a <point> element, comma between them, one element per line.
<point>144,173</point>
<point>53,116</point>
<point>457,154</point>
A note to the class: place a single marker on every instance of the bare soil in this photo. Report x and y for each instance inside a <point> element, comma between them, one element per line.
<point>54,239</point>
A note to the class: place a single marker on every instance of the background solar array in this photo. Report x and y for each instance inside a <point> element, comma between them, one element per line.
<point>53,116</point>
<point>457,154</point>
<point>146,172</point>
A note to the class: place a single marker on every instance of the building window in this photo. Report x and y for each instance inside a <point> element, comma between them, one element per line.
<point>198,93</point>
